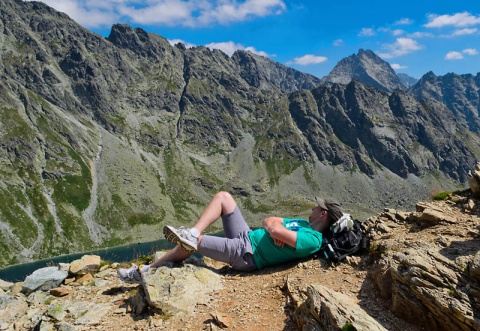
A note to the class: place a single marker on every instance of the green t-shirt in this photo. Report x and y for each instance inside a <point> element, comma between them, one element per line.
<point>266,253</point>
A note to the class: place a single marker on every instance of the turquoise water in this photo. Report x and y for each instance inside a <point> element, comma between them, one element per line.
<point>17,273</point>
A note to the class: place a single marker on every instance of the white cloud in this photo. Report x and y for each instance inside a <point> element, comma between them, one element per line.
<point>457,20</point>
<point>366,32</point>
<point>93,13</point>
<point>89,14</point>
<point>397,66</point>
<point>401,47</point>
<point>404,21</point>
<point>470,51</point>
<point>237,11</point>
<point>338,42</point>
<point>229,47</point>
<point>463,32</point>
<point>421,35</point>
<point>253,50</point>
<point>398,32</point>
<point>169,12</point>
<point>453,56</point>
<point>308,59</point>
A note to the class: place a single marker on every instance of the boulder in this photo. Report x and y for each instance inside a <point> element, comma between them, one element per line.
<point>43,279</point>
<point>177,290</point>
<point>87,264</point>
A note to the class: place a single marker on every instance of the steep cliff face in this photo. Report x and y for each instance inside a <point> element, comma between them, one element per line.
<point>367,68</point>
<point>460,93</point>
<point>105,140</point>
<point>359,127</point>
<point>407,80</point>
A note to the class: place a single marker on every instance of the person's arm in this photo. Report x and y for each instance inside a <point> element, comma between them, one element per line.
<point>280,235</point>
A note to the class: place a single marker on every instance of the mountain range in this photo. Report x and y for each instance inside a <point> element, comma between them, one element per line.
<point>106,140</point>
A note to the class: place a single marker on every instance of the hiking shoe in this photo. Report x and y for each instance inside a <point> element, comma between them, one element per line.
<point>181,236</point>
<point>131,275</point>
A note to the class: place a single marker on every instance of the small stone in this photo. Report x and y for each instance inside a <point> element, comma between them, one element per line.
<point>120,311</point>
<point>69,280</point>
<point>103,268</point>
<point>84,279</point>
<point>59,292</point>
<point>16,288</point>
<point>5,285</point>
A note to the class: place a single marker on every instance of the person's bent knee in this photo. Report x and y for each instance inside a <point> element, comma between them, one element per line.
<point>227,202</point>
<point>223,195</point>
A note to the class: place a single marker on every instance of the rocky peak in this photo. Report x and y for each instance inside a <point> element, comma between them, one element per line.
<point>138,41</point>
<point>366,67</point>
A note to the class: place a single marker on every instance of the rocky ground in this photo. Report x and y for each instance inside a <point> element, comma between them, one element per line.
<point>259,300</point>
<point>255,301</point>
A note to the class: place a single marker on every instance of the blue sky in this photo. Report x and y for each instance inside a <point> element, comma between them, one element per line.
<point>311,36</point>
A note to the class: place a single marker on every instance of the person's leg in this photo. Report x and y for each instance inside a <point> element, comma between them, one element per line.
<point>221,204</point>
<point>235,248</point>
<point>176,254</point>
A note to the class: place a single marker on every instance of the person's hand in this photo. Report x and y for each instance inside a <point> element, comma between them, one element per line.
<point>278,242</point>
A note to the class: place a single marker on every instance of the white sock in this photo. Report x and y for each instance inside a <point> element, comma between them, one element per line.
<point>194,232</point>
<point>145,268</point>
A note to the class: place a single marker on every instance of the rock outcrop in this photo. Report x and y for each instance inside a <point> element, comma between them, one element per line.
<point>324,309</point>
<point>429,274</point>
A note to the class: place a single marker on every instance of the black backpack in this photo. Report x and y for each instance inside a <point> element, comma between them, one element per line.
<point>337,246</point>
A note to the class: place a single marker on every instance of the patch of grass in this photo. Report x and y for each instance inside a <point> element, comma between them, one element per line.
<point>441,196</point>
<point>116,241</point>
<point>74,229</point>
<point>177,184</point>
<point>48,130</point>
<point>376,249</point>
<point>74,189</point>
<point>142,218</point>
<point>349,327</point>
<point>257,209</point>
<point>14,126</point>
<point>143,259</point>
<point>116,120</point>
<point>20,222</point>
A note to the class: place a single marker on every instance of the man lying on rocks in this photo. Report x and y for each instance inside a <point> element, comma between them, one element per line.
<point>280,240</point>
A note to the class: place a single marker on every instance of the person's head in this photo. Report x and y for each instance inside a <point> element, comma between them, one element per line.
<point>326,213</point>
